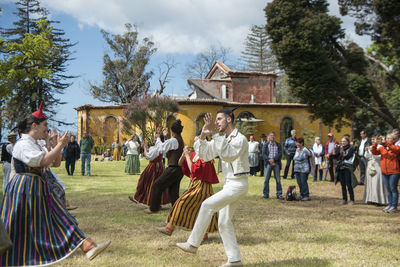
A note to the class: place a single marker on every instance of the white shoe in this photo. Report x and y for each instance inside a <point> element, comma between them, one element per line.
<point>392,210</point>
<point>91,254</point>
<point>386,209</point>
<point>236,263</point>
<point>187,247</point>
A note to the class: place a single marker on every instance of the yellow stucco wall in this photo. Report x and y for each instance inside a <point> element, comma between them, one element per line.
<point>272,116</point>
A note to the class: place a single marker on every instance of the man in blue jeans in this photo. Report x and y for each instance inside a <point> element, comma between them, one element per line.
<point>86,143</point>
<point>272,155</point>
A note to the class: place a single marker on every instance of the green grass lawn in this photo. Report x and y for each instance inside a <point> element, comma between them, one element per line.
<point>270,232</point>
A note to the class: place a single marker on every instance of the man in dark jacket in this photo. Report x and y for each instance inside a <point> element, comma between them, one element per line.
<point>71,153</point>
<point>272,155</point>
<point>290,150</point>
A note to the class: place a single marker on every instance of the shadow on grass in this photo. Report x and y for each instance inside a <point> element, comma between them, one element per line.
<point>308,262</point>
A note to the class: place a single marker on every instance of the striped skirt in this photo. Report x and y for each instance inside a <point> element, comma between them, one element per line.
<point>41,229</point>
<point>55,186</point>
<point>187,207</point>
<point>150,174</point>
<point>132,164</point>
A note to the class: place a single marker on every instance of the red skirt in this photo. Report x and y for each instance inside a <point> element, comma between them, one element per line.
<point>145,184</point>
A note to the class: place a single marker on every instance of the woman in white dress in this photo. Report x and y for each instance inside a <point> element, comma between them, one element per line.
<point>375,191</point>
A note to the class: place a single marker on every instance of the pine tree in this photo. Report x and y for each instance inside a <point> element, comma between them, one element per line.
<point>26,97</point>
<point>257,55</point>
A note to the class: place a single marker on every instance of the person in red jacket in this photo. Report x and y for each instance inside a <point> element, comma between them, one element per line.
<point>390,169</point>
<point>187,207</point>
<point>329,154</point>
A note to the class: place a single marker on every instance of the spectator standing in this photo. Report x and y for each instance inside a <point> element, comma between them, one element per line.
<point>253,155</point>
<point>330,155</point>
<point>318,151</point>
<point>390,170</point>
<point>6,156</point>
<point>302,168</point>
<point>132,163</point>
<point>364,143</point>
<point>272,155</point>
<point>124,149</point>
<point>375,191</point>
<point>344,155</point>
<point>116,150</point>
<point>86,144</point>
<point>290,150</point>
<point>260,148</point>
<point>71,153</point>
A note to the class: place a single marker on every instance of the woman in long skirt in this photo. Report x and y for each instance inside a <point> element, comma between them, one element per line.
<point>375,190</point>
<point>42,231</point>
<point>150,174</point>
<point>187,207</point>
<point>132,163</point>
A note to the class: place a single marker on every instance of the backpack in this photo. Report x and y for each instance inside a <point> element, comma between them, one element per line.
<point>291,193</point>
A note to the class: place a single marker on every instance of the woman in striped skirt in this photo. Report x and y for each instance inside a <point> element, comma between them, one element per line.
<point>42,231</point>
<point>186,208</point>
<point>150,174</point>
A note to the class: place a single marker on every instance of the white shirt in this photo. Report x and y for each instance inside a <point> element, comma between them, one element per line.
<point>233,152</point>
<point>254,147</point>
<point>317,149</point>
<point>362,145</point>
<point>132,147</point>
<point>162,148</point>
<point>28,151</point>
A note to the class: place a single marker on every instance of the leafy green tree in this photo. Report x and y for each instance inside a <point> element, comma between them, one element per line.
<point>323,72</point>
<point>28,91</point>
<point>257,54</point>
<point>125,74</point>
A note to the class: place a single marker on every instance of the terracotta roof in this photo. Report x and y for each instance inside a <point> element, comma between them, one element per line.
<point>204,101</point>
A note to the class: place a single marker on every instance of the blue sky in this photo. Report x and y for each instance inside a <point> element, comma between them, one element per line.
<point>180,29</point>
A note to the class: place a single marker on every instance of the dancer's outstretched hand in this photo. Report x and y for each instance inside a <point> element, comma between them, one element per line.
<point>64,139</point>
<point>209,126</point>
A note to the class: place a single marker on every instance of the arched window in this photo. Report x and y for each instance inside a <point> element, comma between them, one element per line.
<point>244,122</point>
<point>199,122</point>
<point>81,127</point>
<point>286,127</point>
<point>110,129</point>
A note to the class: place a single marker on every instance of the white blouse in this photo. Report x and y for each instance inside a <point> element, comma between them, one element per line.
<point>28,151</point>
<point>254,147</point>
<point>132,148</point>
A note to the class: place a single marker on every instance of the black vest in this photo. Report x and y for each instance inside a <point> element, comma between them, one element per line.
<point>174,155</point>
<point>5,156</point>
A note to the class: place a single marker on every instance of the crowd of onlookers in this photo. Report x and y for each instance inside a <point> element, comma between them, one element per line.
<point>377,159</point>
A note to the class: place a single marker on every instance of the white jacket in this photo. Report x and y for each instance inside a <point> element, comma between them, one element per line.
<point>233,152</point>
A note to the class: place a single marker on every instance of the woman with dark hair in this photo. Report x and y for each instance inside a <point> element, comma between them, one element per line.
<point>185,210</point>
<point>390,169</point>
<point>132,163</point>
<point>150,174</point>
<point>172,175</point>
<point>344,168</point>
<point>302,168</point>
<point>43,232</point>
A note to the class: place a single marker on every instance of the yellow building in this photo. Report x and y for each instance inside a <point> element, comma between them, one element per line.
<point>104,123</point>
<point>221,88</point>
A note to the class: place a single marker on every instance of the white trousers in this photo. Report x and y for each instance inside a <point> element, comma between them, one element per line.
<point>6,174</point>
<point>225,201</point>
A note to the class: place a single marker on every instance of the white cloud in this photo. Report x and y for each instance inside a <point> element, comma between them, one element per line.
<point>177,26</point>
<point>181,26</point>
